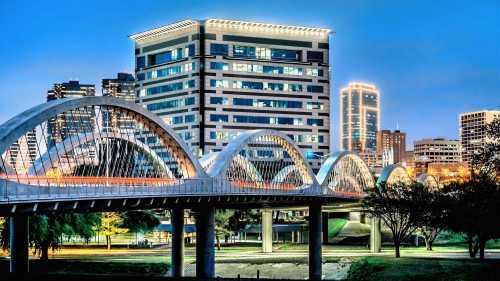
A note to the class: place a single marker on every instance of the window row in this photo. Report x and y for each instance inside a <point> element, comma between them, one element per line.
<point>171,104</point>
<point>267,69</point>
<point>180,119</point>
<point>167,71</point>
<point>310,105</point>
<point>263,53</point>
<point>266,120</point>
<point>271,86</point>
<point>167,56</point>
<point>168,88</point>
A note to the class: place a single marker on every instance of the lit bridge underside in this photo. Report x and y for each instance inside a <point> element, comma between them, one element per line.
<point>102,153</point>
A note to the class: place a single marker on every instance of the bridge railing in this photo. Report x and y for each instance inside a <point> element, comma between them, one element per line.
<point>78,188</point>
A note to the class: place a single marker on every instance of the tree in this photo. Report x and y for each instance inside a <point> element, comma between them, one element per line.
<point>399,207</point>
<point>222,225</point>
<point>432,215</point>
<point>111,224</point>
<point>473,210</point>
<point>140,221</point>
<point>45,231</point>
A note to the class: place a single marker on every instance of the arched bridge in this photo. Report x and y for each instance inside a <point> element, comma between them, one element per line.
<point>106,153</point>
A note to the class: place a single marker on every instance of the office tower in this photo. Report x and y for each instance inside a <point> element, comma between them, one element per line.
<point>472,133</point>
<point>392,141</point>
<point>22,153</point>
<point>360,117</point>
<point>215,78</point>
<point>72,122</point>
<point>437,150</point>
<point>121,87</point>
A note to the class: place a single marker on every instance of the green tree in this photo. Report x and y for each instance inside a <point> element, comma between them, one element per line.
<point>432,215</point>
<point>140,221</point>
<point>399,206</point>
<point>111,224</point>
<point>46,231</point>
<point>222,229</point>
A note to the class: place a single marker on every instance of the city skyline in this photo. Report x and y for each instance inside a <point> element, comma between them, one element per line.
<point>426,74</point>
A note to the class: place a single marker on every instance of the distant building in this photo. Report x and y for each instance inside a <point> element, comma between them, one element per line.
<point>437,150</point>
<point>472,133</point>
<point>72,122</point>
<point>395,141</point>
<point>121,87</point>
<point>408,161</point>
<point>212,79</point>
<point>22,153</point>
<point>360,117</point>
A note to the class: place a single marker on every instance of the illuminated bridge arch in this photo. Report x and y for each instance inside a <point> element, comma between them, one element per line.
<point>428,181</point>
<point>391,175</point>
<point>346,174</point>
<point>75,143</point>
<point>93,137</point>
<point>264,160</point>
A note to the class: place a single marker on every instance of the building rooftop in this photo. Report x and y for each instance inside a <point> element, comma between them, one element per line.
<point>234,25</point>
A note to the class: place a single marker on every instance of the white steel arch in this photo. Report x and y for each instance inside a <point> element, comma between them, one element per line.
<point>391,175</point>
<point>345,172</point>
<point>428,181</point>
<point>228,162</point>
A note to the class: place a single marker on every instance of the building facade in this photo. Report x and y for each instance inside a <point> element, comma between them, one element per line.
<point>437,150</point>
<point>360,117</point>
<point>393,141</point>
<point>212,79</point>
<point>122,87</point>
<point>472,133</point>
<point>70,123</point>
<point>22,153</point>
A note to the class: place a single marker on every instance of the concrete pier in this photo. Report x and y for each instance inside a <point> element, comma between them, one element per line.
<point>205,235</point>
<point>177,242</point>
<point>267,231</point>
<point>375,236</point>
<point>315,251</point>
<point>19,244</point>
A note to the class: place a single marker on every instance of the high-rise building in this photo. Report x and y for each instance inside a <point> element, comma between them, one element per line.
<point>393,141</point>
<point>72,122</point>
<point>472,133</point>
<point>212,79</point>
<point>121,87</point>
<point>360,117</point>
<point>437,150</point>
<point>22,153</point>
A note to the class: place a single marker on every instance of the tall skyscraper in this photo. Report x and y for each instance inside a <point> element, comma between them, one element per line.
<point>70,123</point>
<point>121,87</point>
<point>395,141</point>
<point>472,134</point>
<point>360,117</point>
<point>212,79</point>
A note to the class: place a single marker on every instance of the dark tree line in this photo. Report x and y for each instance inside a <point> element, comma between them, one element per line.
<point>471,207</point>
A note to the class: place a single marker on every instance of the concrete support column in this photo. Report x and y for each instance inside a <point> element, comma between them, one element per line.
<point>19,243</point>
<point>177,242</point>
<point>324,217</point>
<point>375,236</point>
<point>267,231</point>
<point>205,236</point>
<point>315,256</point>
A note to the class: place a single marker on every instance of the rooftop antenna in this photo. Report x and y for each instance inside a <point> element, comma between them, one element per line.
<point>397,125</point>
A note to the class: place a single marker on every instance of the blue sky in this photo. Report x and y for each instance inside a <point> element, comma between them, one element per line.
<point>431,60</point>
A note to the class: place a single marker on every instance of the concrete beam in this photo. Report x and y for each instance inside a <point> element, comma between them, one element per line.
<point>205,235</point>
<point>315,251</point>
<point>19,244</point>
<point>267,231</point>
<point>177,242</point>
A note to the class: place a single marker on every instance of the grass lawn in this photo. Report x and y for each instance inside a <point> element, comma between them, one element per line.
<point>389,268</point>
<point>335,226</point>
<point>87,265</point>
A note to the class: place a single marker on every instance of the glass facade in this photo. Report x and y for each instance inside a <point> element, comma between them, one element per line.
<point>360,117</point>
